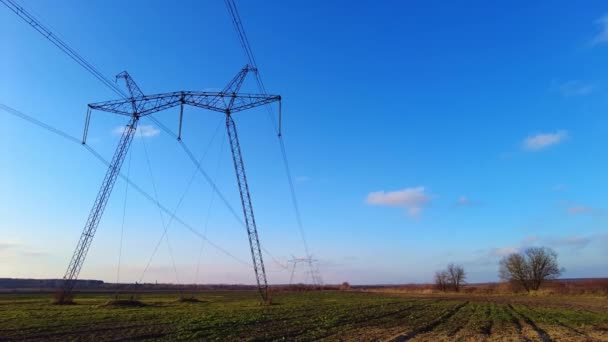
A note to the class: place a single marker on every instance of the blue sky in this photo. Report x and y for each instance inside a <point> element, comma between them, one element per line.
<point>418,133</point>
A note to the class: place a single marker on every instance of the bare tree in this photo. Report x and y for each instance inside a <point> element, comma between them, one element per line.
<point>531,268</point>
<point>456,276</point>
<point>451,278</point>
<point>543,265</point>
<point>441,280</point>
<point>514,268</point>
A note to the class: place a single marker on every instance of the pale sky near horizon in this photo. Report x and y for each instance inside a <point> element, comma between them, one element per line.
<point>419,133</point>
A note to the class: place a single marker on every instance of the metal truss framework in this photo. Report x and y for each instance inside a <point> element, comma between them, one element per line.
<point>227,101</point>
<point>313,269</point>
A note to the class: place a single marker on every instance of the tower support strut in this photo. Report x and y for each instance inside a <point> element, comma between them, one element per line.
<point>90,227</point>
<point>250,225</point>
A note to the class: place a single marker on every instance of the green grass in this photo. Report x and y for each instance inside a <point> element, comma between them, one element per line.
<point>294,316</point>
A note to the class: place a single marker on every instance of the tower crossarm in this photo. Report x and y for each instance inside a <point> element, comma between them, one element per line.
<point>146,105</point>
<point>229,102</point>
<point>215,101</point>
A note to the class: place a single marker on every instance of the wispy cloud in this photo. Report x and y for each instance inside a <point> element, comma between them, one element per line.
<point>504,251</point>
<point>145,131</point>
<point>579,210</point>
<point>35,254</point>
<point>16,248</point>
<point>601,36</point>
<point>576,242</point>
<point>544,140</point>
<point>572,241</point>
<point>4,245</point>
<point>576,88</point>
<point>302,179</point>
<point>558,187</point>
<point>465,201</point>
<point>412,199</point>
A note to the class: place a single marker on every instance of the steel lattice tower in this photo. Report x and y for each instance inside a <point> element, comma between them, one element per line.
<point>313,265</point>
<point>228,101</point>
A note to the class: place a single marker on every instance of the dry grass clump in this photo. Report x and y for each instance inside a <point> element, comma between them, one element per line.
<point>124,303</point>
<point>63,298</point>
<point>191,299</point>
<point>128,302</point>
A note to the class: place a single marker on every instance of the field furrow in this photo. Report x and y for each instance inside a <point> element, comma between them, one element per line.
<point>420,326</point>
<point>299,316</point>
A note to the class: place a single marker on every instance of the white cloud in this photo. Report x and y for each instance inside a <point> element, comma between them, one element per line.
<point>559,187</point>
<point>576,88</point>
<point>302,179</point>
<point>503,251</point>
<point>145,131</point>
<point>543,140</point>
<point>602,36</point>
<point>412,199</point>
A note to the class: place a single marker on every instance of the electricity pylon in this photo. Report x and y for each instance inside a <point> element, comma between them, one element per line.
<point>228,101</point>
<point>313,265</point>
<point>90,227</point>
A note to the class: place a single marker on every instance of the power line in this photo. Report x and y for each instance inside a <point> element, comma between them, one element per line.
<point>39,123</point>
<point>124,215</point>
<point>162,217</point>
<point>189,184</point>
<point>244,41</point>
<point>99,157</point>
<point>173,216</point>
<point>211,182</point>
<point>208,215</point>
<point>166,211</point>
<point>37,25</point>
<point>245,102</point>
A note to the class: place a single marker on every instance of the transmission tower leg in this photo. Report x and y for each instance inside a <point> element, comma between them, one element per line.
<point>252,231</point>
<point>71,275</point>
<point>293,270</point>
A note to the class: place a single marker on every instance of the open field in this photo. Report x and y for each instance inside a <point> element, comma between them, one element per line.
<point>330,315</point>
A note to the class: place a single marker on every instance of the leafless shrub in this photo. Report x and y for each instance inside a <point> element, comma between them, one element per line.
<point>344,286</point>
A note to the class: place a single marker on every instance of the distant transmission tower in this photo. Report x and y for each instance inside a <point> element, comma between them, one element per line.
<point>313,269</point>
<point>228,101</point>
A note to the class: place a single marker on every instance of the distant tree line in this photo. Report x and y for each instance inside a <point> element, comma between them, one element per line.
<point>528,269</point>
<point>452,278</point>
